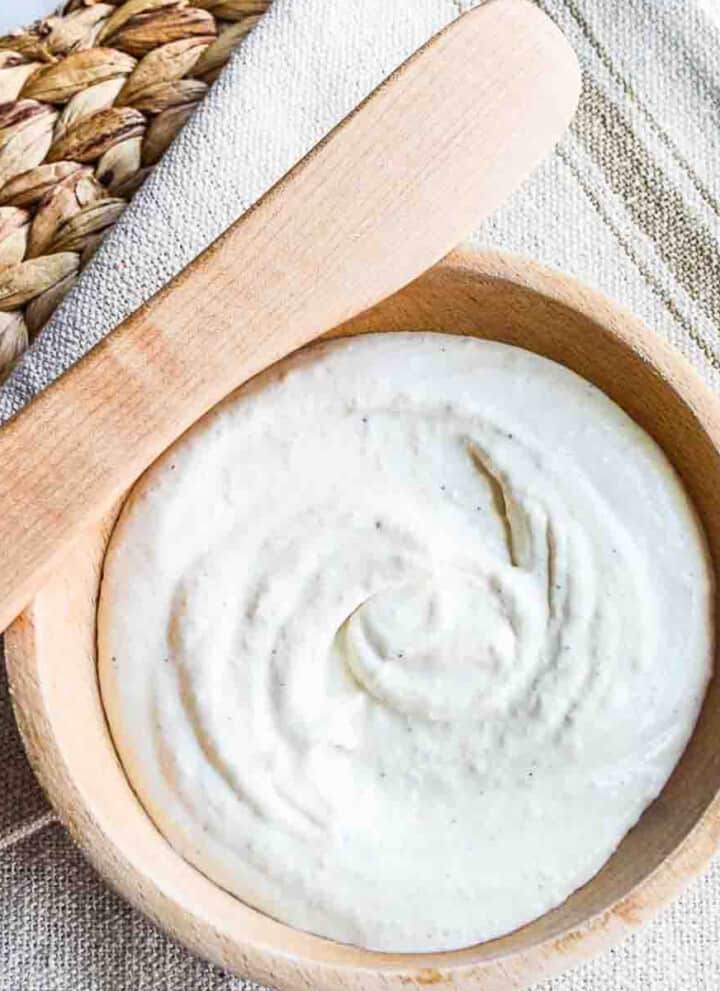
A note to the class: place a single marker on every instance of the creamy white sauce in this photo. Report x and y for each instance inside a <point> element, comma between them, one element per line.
<point>399,642</point>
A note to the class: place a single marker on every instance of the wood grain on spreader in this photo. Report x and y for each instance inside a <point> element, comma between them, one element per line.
<point>389,192</point>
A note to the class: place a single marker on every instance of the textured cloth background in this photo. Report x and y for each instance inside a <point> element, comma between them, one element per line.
<point>630,202</point>
<point>12,17</point>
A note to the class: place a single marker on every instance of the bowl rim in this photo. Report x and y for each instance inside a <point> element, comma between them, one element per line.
<point>505,970</point>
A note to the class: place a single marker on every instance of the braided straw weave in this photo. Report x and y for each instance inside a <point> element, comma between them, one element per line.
<point>90,99</point>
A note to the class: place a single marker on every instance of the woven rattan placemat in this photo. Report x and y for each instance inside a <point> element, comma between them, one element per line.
<point>90,99</point>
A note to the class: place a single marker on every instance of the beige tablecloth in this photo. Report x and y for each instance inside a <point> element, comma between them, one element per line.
<point>630,202</point>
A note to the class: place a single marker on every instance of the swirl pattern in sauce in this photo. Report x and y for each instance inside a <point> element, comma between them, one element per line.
<point>399,642</point>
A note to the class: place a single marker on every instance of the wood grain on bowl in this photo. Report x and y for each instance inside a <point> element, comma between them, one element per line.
<point>52,665</point>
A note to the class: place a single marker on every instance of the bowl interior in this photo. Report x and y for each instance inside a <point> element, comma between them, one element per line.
<point>51,656</point>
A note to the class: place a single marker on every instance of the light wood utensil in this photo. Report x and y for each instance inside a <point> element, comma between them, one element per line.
<point>52,668</point>
<point>388,193</point>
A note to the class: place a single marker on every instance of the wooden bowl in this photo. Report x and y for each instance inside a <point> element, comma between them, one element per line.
<point>51,656</point>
